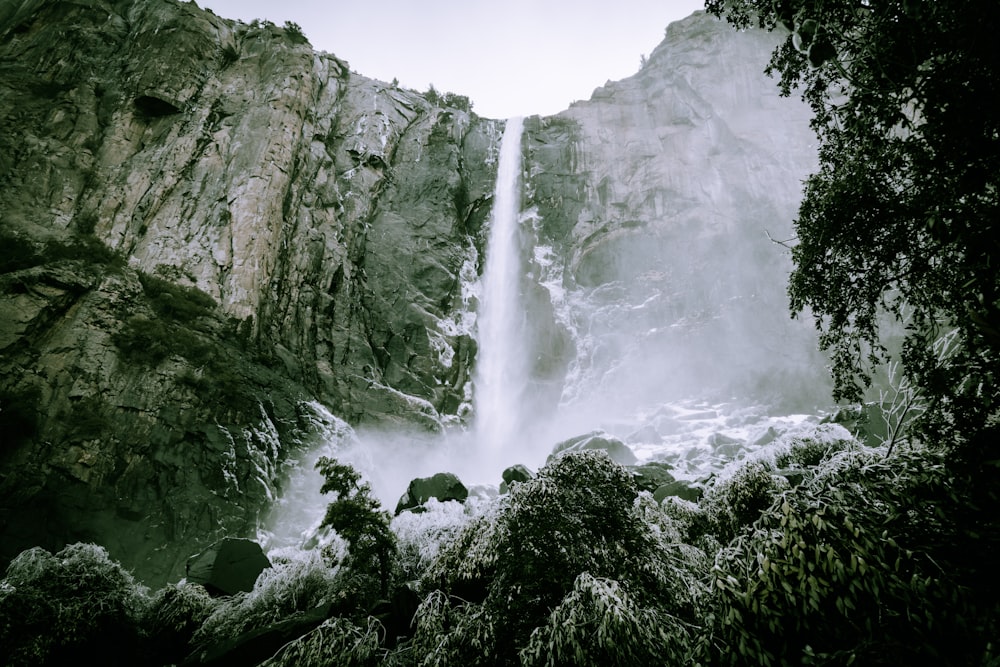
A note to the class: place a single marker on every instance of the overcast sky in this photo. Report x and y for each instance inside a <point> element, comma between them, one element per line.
<point>510,57</point>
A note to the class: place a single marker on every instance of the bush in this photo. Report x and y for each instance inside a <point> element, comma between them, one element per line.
<point>598,624</point>
<point>579,515</point>
<point>76,607</point>
<point>176,302</point>
<point>337,641</point>
<point>737,500</point>
<point>873,561</point>
<point>175,613</point>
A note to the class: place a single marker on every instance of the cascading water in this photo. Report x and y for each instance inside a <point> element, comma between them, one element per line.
<point>501,369</point>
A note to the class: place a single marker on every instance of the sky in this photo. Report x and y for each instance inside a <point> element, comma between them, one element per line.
<point>510,57</point>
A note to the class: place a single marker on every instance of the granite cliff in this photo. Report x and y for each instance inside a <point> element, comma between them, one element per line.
<point>208,228</point>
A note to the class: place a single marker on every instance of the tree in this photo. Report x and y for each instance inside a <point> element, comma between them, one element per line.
<point>358,517</point>
<point>897,225</point>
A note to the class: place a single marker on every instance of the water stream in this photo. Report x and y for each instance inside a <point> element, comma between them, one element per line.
<point>501,367</point>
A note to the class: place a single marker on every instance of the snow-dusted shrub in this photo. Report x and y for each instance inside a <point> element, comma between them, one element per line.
<point>337,641</point>
<point>579,515</point>
<point>296,581</point>
<point>451,633</point>
<point>75,607</point>
<point>808,450</point>
<point>740,494</point>
<point>600,623</point>
<point>421,535</point>
<point>175,612</point>
<point>875,560</point>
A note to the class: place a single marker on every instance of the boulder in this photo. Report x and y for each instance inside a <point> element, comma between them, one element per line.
<point>680,488</point>
<point>228,566</point>
<point>442,486</point>
<point>651,476</point>
<point>616,449</point>
<point>515,474</point>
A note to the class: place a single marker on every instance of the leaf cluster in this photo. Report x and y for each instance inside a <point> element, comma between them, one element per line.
<point>357,516</point>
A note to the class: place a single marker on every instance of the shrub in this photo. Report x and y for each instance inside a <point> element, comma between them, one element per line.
<point>176,302</point>
<point>77,606</point>
<point>868,562</point>
<point>599,623</point>
<point>175,613</point>
<point>357,516</point>
<point>294,32</point>
<point>738,498</point>
<point>577,516</point>
<point>337,641</point>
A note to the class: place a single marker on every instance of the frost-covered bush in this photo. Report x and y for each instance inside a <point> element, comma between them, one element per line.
<point>421,535</point>
<point>175,612</point>
<point>337,641</point>
<point>77,606</point>
<point>579,515</point>
<point>875,560</point>
<point>296,581</point>
<point>599,623</point>
<point>809,450</point>
<point>740,494</point>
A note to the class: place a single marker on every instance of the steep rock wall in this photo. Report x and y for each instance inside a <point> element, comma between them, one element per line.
<point>657,198</point>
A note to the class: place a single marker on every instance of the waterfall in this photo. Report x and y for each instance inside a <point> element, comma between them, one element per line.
<point>501,369</point>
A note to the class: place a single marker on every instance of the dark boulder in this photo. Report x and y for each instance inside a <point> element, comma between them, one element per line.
<point>681,489</point>
<point>651,476</point>
<point>442,486</point>
<point>616,449</point>
<point>515,474</point>
<point>229,566</point>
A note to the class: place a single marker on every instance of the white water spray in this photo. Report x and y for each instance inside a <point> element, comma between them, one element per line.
<point>501,369</point>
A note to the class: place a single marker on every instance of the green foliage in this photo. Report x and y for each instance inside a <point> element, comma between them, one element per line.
<point>447,100</point>
<point>900,219</point>
<point>736,501</point>
<point>337,641</point>
<point>150,341</point>
<point>176,302</point>
<point>598,624</point>
<point>294,32</point>
<point>76,607</point>
<point>357,516</point>
<point>18,252</point>
<point>860,564</point>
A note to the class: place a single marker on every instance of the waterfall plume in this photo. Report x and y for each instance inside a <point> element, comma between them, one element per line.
<point>501,369</point>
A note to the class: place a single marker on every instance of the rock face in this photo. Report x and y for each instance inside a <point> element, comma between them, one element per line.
<point>654,202</point>
<point>207,226</point>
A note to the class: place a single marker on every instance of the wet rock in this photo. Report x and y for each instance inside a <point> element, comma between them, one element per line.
<point>443,486</point>
<point>228,566</point>
<point>515,474</point>
<point>616,449</point>
<point>651,476</point>
<point>680,488</point>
